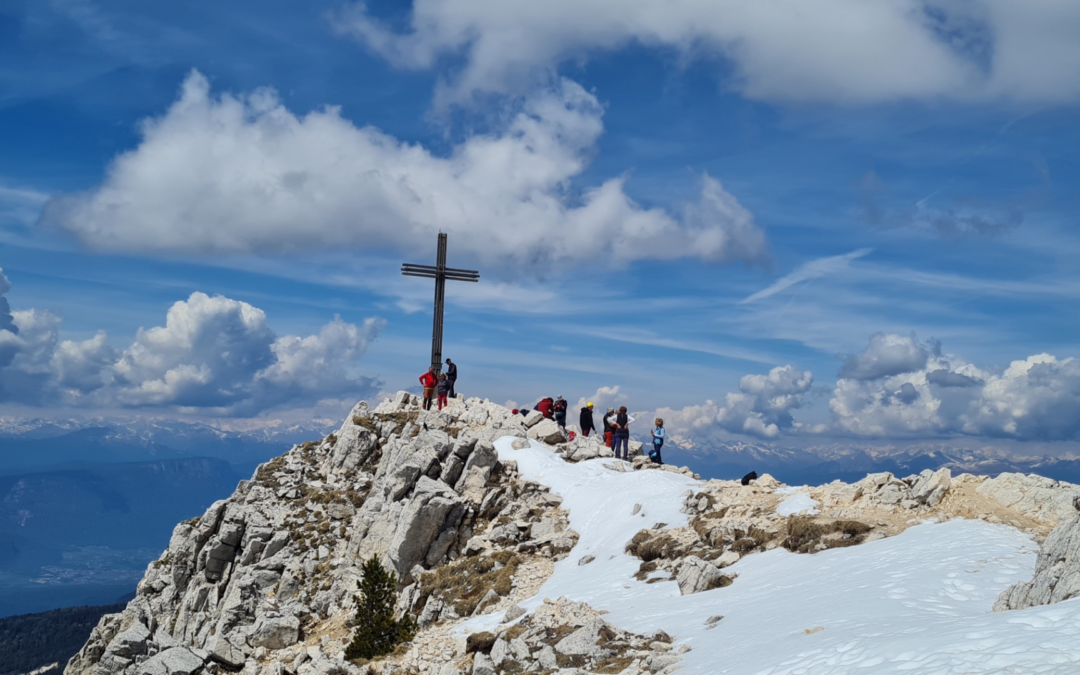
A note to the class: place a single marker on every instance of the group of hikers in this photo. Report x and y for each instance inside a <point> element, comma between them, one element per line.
<point>616,423</point>
<point>616,426</point>
<point>439,384</point>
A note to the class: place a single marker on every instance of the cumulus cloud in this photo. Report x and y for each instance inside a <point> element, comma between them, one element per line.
<point>793,50</point>
<point>213,353</point>
<point>604,398</point>
<point>226,173</point>
<point>899,387</point>
<point>886,355</point>
<point>761,408</point>
<point>1037,398</point>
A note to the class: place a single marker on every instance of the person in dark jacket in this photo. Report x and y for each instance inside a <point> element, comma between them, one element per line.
<point>451,377</point>
<point>428,380</point>
<point>620,422</point>
<point>545,407</point>
<point>609,431</point>
<point>559,410</point>
<point>586,422</point>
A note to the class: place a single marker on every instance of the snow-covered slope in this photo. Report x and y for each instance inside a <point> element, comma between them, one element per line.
<point>919,602</point>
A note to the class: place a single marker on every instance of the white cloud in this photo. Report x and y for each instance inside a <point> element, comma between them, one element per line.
<point>238,174</point>
<point>604,398</point>
<point>886,355</point>
<point>792,50</point>
<point>213,353</point>
<point>762,408</point>
<point>1037,398</point>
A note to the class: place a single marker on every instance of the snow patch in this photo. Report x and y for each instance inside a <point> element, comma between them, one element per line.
<point>916,602</point>
<point>799,503</point>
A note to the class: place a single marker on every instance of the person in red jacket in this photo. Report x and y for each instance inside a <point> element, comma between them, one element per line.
<point>545,407</point>
<point>429,381</point>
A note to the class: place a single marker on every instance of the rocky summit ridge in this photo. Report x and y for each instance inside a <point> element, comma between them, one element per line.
<point>264,583</point>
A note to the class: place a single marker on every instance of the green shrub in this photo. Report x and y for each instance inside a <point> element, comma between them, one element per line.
<point>377,632</point>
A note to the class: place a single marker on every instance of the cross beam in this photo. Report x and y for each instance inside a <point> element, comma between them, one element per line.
<point>441,274</point>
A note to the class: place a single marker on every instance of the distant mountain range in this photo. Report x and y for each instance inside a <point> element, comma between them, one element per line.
<point>819,464</point>
<point>85,505</point>
<point>36,444</point>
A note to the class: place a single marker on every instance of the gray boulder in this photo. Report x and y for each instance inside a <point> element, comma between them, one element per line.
<point>696,575</point>
<point>173,661</point>
<point>1057,572</point>
<point>433,508</point>
<point>276,632</point>
<point>931,486</point>
<point>547,431</point>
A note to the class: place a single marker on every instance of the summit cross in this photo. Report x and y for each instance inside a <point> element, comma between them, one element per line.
<point>440,273</point>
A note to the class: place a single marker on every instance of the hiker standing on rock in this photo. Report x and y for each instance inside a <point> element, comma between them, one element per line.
<point>428,381</point>
<point>658,435</point>
<point>451,377</point>
<point>609,431</point>
<point>443,388</point>
<point>586,422</point>
<point>560,412</point>
<point>621,425</point>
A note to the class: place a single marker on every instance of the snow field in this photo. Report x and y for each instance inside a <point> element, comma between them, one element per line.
<point>915,603</point>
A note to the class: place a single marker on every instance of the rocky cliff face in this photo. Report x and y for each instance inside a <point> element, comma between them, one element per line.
<point>277,563</point>
<point>264,582</point>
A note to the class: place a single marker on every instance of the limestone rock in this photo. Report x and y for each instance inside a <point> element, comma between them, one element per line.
<point>276,633</point>
<point>547,431</point>
<point>173,661</point>
<point>696,575</point>
<point>1042,499</point>
<point>1057,571</point>
<point>931,486</point>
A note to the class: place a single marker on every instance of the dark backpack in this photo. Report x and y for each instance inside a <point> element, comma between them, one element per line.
<point>749,477</point>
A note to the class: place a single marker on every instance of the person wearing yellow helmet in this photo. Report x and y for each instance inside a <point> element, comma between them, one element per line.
<point>586,420</point>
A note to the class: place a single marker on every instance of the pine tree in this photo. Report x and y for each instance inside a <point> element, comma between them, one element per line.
<point>377,633</point>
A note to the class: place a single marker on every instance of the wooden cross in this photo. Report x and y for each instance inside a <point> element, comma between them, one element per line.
<point>440,273</point>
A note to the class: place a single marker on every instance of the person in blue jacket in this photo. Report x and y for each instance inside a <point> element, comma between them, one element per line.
<point>658,435</point>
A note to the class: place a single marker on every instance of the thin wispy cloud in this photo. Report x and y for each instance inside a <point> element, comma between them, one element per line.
<point>815,269</point>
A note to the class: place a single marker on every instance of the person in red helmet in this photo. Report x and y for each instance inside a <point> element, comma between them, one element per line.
<point>428,380</point>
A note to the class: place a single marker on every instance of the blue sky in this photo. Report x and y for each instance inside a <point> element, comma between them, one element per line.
<point>824,220</point>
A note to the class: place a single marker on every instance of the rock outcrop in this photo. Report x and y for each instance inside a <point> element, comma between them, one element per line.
<point>1057,571</point>
<point>266,579</point>
<point>569,637</point>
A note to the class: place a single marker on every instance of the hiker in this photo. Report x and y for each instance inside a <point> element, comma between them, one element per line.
<point>621,438</point>
<point>657,441</point>
<point>609,431</point>
<point>443,388</point>
<point>451,377</point>
<point>586,420</point>
<point>560,412</point>
<point>428,381</point>
<point>544,407</point>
